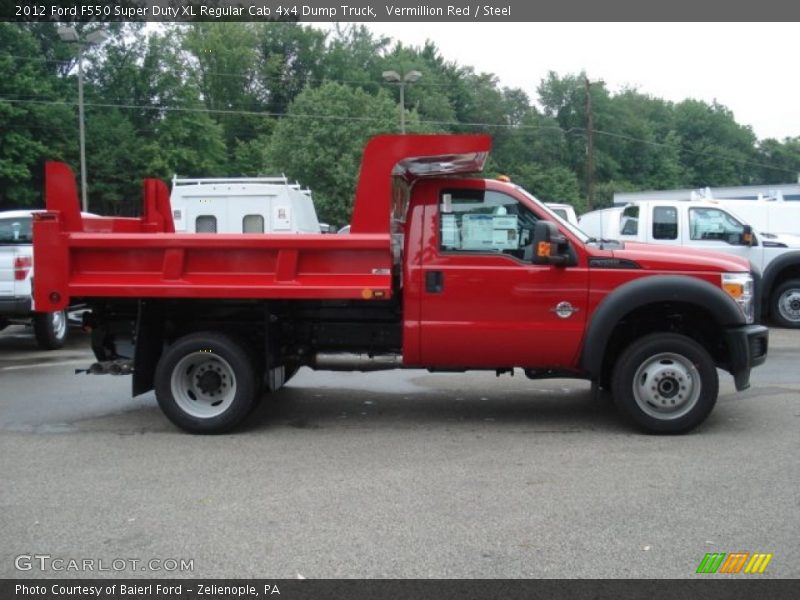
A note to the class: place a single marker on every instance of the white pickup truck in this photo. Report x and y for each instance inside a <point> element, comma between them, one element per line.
<point>16,276</point>
<point>707,225</point>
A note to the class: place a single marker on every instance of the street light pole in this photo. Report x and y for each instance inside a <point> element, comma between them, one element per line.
<point>402,107</point>
<point>70,34</point>
<point>82,131</point>
<point>402,80</point>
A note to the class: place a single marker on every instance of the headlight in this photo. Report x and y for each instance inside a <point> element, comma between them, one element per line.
<point>739,286</point>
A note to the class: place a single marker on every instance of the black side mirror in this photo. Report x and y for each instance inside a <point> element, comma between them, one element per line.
<point>747,235</point>
<point>550,247</point>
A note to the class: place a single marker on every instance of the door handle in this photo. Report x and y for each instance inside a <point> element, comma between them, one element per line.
<point>434,282</point>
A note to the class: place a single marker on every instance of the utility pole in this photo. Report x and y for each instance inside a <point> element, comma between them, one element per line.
<point>589,146</point>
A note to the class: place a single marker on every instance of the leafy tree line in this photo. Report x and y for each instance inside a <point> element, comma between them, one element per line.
<point>231,99</point>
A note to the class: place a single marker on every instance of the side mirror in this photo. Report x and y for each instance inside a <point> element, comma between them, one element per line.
<point>550,247</point>
<point>747,236</point>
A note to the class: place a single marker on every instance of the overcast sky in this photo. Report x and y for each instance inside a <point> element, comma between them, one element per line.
<point>752,68</point>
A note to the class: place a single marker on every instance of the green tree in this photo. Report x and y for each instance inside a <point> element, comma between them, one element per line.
<point>354,56</point>
<point>715,149</point>
<point>321,140</point>
<point>289,58</point>
<point>780,160</point>
<point>223,61</point>
<point>550,184</point>
<point>35,123</point>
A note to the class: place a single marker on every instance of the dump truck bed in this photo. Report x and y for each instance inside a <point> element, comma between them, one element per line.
<point>99,257</point>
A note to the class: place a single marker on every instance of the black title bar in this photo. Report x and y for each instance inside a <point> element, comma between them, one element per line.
<point>367,11</point>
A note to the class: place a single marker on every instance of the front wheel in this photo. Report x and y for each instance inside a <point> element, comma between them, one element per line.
<point>665,383</point>
<point>50,329</point>
<point>206,383</point>
<point>786,304</point>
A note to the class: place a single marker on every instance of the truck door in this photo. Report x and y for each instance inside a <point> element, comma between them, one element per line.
<point>711,228</point>
<point>483,304</point>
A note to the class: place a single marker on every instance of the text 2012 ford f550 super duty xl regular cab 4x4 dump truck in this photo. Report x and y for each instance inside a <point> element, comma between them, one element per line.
<point>439,272</point>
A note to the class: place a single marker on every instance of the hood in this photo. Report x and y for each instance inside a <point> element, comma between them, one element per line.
<point>772,239</point>
<point>677,258</point>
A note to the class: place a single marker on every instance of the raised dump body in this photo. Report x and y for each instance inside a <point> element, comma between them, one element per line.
<point>145,258</point>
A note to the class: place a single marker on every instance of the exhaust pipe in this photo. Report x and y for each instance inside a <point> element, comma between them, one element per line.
<point>349,361</point>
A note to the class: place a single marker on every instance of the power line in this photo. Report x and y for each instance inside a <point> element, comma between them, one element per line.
<point>254,72</point>
<point>570,131</point>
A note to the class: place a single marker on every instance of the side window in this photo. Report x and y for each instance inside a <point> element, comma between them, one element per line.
<point>205,224</point>
<point>629,221</point>
<point>253,224</point>
<point>665,223</point>
<point>714,224</point>
<point>485,221</point>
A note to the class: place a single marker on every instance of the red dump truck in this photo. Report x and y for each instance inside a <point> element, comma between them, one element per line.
<point>441,271</point>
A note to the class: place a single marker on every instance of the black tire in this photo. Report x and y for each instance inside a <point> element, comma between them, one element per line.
<point>50,329</point>
<point>785,309</point>
<point>665,383</point>
<point>206,383</point>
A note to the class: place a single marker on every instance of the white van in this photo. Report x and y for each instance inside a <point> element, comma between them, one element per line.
<point>242,205</point>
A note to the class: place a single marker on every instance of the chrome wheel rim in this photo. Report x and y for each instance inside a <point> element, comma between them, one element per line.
<point>789,305</point>
<point>667,386</point>
<point>203,385</point>
<point>58,321</point>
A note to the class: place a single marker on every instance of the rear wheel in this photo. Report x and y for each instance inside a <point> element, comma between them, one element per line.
<point>786,304</point>
<point>50,329</point>
<point>206,383</point>
<point>665,383</point>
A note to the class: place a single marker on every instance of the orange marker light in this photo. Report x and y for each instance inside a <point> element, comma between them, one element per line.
<point>543,249</point>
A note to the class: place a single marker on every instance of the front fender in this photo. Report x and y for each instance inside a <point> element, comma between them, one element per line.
<point>771,272</point>
<point>650,290</point>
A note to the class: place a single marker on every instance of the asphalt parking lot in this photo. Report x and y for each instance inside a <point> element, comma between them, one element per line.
<point>396,474</point>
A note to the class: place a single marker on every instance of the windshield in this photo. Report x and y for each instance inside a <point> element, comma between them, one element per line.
<point>578,233</point>
<point>16,231</point>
